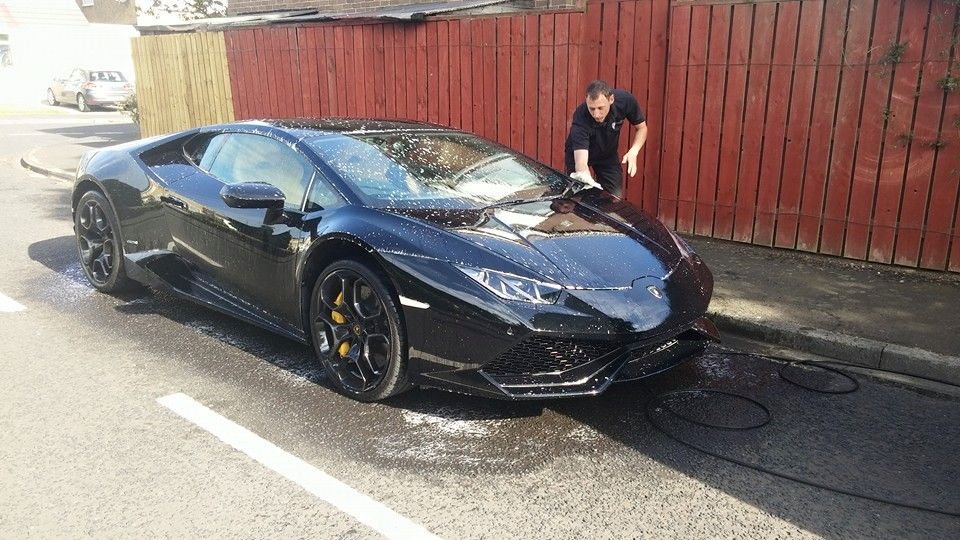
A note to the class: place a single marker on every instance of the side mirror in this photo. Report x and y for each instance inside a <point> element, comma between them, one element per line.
<point>252,195</point>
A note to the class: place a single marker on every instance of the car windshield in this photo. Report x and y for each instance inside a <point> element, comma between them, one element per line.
<point>435,170</point>
<point>107,76</point>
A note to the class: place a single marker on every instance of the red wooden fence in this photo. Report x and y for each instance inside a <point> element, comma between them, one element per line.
<point>817,125</point>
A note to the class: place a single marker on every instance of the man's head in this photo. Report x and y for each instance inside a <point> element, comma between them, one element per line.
<point>599,99</point>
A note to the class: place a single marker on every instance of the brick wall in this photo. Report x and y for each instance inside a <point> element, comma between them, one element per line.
<point>241,7</point>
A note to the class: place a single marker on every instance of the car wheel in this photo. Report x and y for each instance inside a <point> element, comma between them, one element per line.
<point>98,243</point>
<point>51,97</point>
<point>82,103</point>
<point>357,332</point>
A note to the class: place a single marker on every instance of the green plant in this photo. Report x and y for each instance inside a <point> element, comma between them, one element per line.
<point>129,108</point>
<point>949,83</point>
<point>886,114</point>
<point>956,121</point>
<point>894,53</point>
<point>937,144</point>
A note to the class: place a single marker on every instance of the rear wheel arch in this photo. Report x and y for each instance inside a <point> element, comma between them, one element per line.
<point>84,186</point>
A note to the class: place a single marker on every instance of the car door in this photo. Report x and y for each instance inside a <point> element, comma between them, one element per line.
<point>241,251</point>
<point>72,86</point>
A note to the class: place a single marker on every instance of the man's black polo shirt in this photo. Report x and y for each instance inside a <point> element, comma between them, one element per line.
<point>601,140</point>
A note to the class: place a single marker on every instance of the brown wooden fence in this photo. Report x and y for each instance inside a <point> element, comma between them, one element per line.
<point>183,81</point>
<point>826,126</point>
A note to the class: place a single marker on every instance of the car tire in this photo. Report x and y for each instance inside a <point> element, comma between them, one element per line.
<point>99,244</point>
<point>82,103</point>
<point>357,332</point>
<point>51,97</point>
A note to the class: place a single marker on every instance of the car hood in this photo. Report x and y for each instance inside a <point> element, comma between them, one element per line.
<point>596,244</point>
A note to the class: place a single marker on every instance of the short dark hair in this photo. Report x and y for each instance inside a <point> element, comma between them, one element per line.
<point>599,88</point>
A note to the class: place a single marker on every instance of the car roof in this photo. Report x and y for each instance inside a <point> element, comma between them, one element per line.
<point>312,127</point>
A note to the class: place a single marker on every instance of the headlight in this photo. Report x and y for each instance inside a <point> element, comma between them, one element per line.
<point>685,250</point>
<point>510,287</point>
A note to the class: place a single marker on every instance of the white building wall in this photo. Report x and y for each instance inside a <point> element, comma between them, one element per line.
<point>50,37</point>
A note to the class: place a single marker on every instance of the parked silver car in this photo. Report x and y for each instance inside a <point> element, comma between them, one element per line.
<point>90,88</point>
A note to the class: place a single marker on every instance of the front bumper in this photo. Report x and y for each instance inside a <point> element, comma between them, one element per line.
<point>619,361</point>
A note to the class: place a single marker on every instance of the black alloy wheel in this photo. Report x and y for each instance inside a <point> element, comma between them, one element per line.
<point>98,243</point>
<point>82,103</point>
<point>356,331</point>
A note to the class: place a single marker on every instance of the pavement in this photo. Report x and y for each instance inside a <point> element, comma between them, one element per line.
<point>884,317</point>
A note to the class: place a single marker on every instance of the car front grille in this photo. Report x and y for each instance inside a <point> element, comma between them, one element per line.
<point>547,355</point>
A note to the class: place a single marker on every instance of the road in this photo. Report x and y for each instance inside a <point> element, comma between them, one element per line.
<point>86,448</point>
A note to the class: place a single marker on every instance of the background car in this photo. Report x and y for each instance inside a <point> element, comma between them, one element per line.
<point>406,254</point>
<point>6,55</point>
<point>90,88</point>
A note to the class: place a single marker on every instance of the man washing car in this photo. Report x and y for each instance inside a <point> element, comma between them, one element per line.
<point>595,134</point>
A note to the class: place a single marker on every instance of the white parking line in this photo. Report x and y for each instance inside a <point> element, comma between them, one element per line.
<point>9,305</point>
<point>361,507</point>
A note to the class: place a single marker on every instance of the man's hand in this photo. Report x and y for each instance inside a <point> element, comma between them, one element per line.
<point>630,158</point>
<point>585,178</point>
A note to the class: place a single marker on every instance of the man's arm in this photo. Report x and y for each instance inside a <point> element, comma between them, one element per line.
<point>580,160</point>
<point>630,158</point>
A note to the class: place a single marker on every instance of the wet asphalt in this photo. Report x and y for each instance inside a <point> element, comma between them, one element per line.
<point>730,444</point>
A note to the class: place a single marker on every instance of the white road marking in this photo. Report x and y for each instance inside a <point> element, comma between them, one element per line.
<point>9,305</point>
<point>375,515</point>
<point>413,303</point>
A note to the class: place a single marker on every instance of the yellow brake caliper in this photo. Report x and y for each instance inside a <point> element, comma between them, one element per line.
<point>340,319</point>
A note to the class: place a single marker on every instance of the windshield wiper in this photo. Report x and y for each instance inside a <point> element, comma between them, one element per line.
<point>521,200</point>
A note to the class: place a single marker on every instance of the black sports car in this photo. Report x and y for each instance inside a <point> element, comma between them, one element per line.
<point>405,253</point>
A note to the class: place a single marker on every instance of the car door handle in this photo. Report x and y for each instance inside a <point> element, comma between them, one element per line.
<point>173,201</point>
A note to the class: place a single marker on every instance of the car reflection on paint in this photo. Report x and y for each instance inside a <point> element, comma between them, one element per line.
<point>406,254</point>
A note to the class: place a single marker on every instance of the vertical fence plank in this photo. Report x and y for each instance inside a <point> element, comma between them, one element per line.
<point>899,115</point>
<point>819,145</point>
<point>456,75</point>
<point>853,78</point>
<point>932,106</point>
<point>606,67</point>
<point>590,55</point>
<point>626,66</point>
<point>545,101</point>
<point>488,42</point>
<point>713,114</point>
<point>421,71</point>
<point>874,110</point>
<point>433,74</point>
<point>477,60</point>
<point>410,61</point>
<point>531,70</point>
<point>443,73</point>
<point>654,51</point>
<point>466,74</point>
<point>674,111</point>
<point>503,80</point>
<point>693,117</point>
<point>798,123</point>
<point>853,75</point>
<point>753,124</point>
<point>778,107</point>
<point>561,35</point>
<point>733,105</point>
<point>518,114</point>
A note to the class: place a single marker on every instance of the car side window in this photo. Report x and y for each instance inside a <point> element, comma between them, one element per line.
<point>201,149</point>
<point>244,157</point>
<point>322,196</point>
